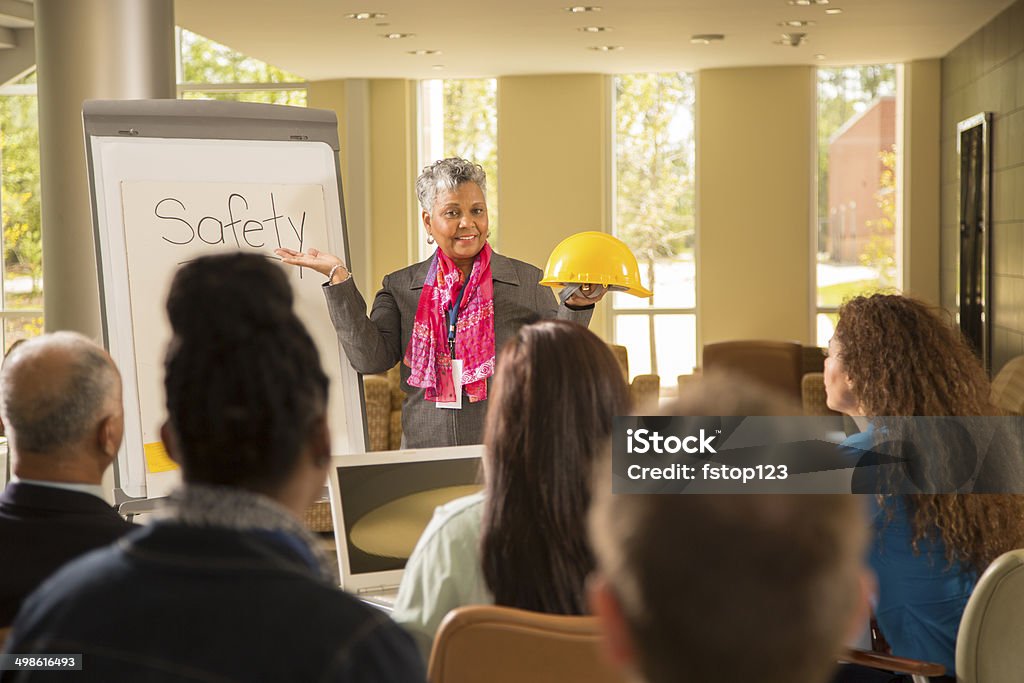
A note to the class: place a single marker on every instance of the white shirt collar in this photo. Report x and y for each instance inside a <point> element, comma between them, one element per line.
<point>92,489</point>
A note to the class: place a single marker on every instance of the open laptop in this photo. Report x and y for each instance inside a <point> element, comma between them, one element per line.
<point>382,501</point>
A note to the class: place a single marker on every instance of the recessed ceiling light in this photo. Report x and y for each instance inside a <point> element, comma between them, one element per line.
<point>437,67</point>
<point>792,39</point>
<point>605,48</point>
<point>834,10</point>
<point>424,52</point>
<point>819,57</point>
<point>706,38</point>
<point>364,16</point>
<point>396,36</point>
<point>796,23</point>
<point>595,29</point>
<point>581,9</point>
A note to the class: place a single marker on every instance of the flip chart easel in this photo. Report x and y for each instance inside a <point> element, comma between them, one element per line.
<point>175,180</point>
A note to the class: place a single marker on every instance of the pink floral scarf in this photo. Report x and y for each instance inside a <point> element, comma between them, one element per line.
<point>428,354</point>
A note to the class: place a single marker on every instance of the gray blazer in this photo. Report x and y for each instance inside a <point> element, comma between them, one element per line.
<point>376,343</point>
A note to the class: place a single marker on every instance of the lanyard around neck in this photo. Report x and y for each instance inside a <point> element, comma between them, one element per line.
<point>453,317</point>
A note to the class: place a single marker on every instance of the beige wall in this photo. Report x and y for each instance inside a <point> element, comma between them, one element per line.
<point>331,95</point>
<point>922,90</point>
<point>349,100</point>
<point>985,73</point>
<point>554,143</point>
<point>754,135</point>
<point>392,176</point>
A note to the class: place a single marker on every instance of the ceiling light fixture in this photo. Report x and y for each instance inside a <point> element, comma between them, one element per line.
<point>819,57</point>
<point>796,23</point>
<point>437,67</point>
<point>595,29</point>
<point>365,16</point>
<point>792,39</point>
<point>605,48</point>
<point>424,52</point>
<point>582,9</point>
<point>834,10</point>
<point>706,38</point>
<point>396,36</point>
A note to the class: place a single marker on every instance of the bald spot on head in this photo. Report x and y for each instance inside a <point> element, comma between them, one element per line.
<point>54,390</point>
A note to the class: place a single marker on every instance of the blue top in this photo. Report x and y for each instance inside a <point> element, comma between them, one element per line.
<point>920,597</point>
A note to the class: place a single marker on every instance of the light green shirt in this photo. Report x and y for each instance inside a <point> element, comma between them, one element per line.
<point>443,571</point>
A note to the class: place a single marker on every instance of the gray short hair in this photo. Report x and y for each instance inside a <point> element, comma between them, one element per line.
<point>44,416</point>
<point>447,174</point>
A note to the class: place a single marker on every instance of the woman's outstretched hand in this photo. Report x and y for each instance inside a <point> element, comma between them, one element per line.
<point>587,295</point>
<point>317,260</point>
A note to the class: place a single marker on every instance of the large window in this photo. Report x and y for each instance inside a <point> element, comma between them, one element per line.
<point>459,118</point>
<point>209,70</point>
<point>206,69</point>
<point>858,227</point>
<point>22,282</point>
<point>654,215</point>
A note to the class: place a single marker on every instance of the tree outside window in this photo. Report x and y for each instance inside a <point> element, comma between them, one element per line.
<point>857,223</point>
<point>209,70</point>
<point>459,118</point>
<point>654,215</point>
<point>22,235</point>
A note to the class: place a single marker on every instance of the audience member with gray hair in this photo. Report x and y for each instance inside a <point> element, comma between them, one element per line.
<point>60,400</point>
<point>490,296</point>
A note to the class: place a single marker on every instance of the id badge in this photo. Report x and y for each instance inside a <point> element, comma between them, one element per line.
<point>457,383</point>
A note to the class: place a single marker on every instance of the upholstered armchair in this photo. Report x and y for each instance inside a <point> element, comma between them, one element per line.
<point>644,389</point>
<point>384,398</point>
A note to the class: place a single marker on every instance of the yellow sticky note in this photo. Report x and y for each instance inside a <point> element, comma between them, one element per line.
<point>157,459</point>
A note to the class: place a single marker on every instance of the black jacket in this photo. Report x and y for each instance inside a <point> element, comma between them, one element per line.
<point>43,528</point>
<point>173,602</point>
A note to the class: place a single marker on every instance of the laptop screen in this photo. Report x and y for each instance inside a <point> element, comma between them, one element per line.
<point>382,501</point>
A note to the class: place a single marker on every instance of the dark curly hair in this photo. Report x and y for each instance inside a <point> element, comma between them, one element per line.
<point>905,358</point>
<point>242,375</point>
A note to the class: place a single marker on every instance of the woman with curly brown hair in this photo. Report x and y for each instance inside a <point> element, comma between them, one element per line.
<point>895,356</point>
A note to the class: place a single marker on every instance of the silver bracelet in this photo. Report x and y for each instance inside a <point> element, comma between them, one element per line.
<point>330,276</point>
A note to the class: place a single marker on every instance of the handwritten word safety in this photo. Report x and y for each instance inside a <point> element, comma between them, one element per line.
<point>242,228</point>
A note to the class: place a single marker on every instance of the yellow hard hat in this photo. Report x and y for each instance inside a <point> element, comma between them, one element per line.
<point>594,258</point>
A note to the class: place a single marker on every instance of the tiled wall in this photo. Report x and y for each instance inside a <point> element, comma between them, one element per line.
<point>986,73</point>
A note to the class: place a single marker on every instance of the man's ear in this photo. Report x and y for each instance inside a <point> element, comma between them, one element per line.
<point>170,443</point>
<point>109,434</point>
<point>604,604</point>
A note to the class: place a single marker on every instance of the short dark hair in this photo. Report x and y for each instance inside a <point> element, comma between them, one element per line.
<point>555,393</point>
<point>40,418</point>
<point>242,375</point>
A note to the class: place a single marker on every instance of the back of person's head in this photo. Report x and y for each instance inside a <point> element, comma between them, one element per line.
<point>243,377</point>
<point>729,588</point>
<point>55,390</point>
<point>556,390</point>
<point>904,357</point>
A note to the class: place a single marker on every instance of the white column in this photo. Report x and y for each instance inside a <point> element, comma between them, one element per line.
<point>87,49</point>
